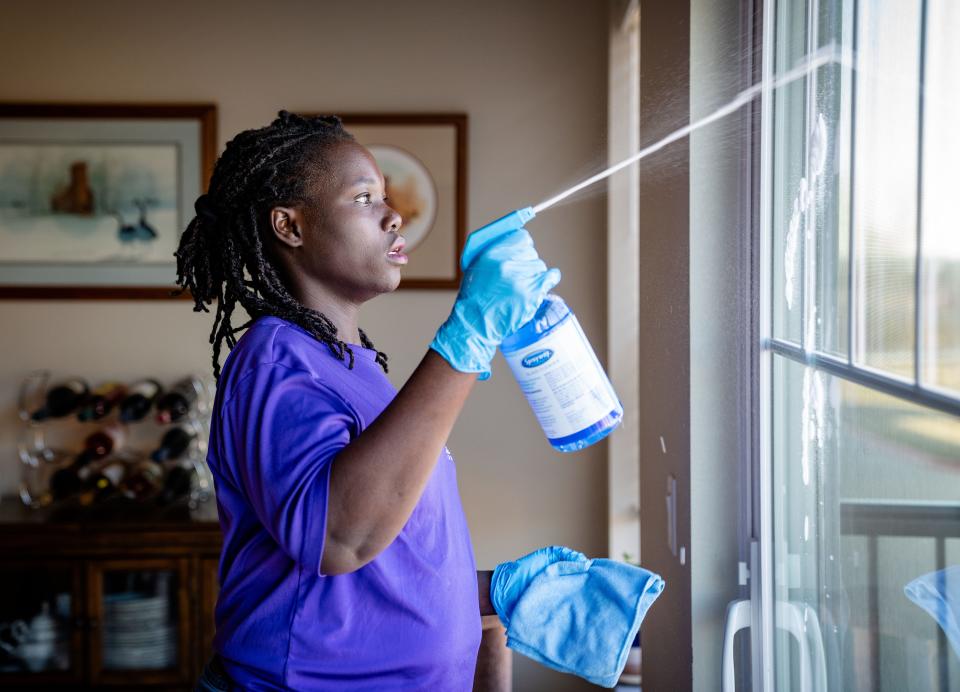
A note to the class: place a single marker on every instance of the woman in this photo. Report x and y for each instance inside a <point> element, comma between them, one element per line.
<point>347,562</point>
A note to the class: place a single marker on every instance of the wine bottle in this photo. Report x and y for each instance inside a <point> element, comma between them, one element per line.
<point>174,443</point>
<point>69,480</point>
<point>139,400</point>
<point>142,480</point>
<point>66,481</point>
<point>176,403</point>
<point>106,440</point>
<point>101,401</point>
<point>62,399</point>
<point>101,482</point>
<point>177,485</point>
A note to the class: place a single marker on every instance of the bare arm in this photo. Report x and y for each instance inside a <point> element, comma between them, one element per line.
<point>494,669</point>
<point>377,480</point>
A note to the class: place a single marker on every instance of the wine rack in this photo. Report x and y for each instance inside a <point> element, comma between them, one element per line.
<point>87,450</point>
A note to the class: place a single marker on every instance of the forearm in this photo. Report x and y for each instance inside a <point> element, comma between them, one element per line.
<point>377,480</point>
<point>493,672</point>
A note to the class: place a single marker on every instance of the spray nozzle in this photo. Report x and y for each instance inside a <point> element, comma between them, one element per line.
<point>483,236</point>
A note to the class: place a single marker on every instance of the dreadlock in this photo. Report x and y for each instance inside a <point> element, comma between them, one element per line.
<point>222,254</point>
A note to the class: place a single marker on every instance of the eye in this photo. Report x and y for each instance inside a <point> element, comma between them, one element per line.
<point>363,198</point>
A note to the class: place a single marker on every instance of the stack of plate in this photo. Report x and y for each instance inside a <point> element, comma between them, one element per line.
<point>137,632</point>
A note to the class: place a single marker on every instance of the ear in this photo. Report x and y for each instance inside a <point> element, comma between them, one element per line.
<point>286,223</point>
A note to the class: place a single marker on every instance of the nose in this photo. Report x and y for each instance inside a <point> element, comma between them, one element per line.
<point>392,221</point>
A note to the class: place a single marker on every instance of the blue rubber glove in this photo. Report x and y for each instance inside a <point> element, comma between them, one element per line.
<point>511,579</point>
<point>503,284</point>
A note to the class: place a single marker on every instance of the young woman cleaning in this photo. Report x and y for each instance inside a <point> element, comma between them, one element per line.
<point>347,562</point>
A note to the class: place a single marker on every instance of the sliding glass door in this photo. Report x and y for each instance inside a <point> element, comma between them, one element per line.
<point>860,329</point>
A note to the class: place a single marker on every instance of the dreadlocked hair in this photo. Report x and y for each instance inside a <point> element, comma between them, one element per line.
<point>222,254</point>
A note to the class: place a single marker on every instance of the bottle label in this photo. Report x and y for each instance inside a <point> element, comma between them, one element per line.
<point>108,389</point>
<point>78,387</point>
<point>145,388</point>
<point>563,381</point>
<point>113,472</point>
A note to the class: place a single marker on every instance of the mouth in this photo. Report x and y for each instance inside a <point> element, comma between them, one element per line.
<point>395,254</point>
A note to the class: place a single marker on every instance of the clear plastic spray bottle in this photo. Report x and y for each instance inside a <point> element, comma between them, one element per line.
<point>556,368</point>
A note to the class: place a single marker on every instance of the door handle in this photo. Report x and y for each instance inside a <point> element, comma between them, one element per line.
<point>790,618</point>
<point>797,619</point>
<point>738,618</point>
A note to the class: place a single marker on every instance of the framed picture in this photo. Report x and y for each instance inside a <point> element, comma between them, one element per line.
<point>424,161</point>
<point>93,198</point>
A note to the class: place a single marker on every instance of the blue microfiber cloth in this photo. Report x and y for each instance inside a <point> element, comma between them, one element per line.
<point>938,593</point>
<point>575,615</point>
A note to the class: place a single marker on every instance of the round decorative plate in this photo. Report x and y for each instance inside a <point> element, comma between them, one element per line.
<point>410,189</point>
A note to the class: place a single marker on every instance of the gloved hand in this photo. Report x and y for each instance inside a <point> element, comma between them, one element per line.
<point>503,284</point>
<point>510,579</point>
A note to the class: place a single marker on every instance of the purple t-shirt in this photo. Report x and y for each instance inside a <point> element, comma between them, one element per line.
<point>408,620</point>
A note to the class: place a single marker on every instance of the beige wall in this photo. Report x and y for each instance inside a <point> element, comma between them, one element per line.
<point>532,77</point>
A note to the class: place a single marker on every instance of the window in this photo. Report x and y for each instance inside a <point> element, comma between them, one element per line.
<point>860,378</point>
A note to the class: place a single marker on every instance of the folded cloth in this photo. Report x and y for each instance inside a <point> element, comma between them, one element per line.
<point>938,593</point>
<point>575,615</point>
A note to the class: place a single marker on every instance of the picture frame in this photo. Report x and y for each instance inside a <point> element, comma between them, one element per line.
<point>424,158</point>
<point>94,197</point>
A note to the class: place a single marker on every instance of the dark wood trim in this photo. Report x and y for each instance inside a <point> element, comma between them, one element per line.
<point>209,590</point>
<point>459,121</point>
<point>204,113</point>
<point>664,271</point>
<point>92,293</point>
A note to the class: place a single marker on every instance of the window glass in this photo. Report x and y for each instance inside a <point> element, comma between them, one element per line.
<point>788,169</point>
<point>865,469</point>
<point>885,183</point>
<point>940,349</point>
<point>865,500</point>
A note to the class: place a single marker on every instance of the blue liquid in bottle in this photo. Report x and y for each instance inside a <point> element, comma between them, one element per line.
<point>561,378</point>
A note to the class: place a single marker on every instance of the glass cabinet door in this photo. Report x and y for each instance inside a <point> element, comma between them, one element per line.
<point>139,621</point>
<point>40,637</point>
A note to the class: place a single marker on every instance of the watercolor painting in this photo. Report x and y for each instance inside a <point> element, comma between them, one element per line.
<point>93,198</point>
<point>76,204</point>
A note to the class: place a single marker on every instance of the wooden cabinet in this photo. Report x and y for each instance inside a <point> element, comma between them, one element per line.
<point>209,588</point>
<point>122,601</point>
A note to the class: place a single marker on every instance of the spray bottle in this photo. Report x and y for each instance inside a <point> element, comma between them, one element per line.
<point>552,360</point>
<point>554,364</point>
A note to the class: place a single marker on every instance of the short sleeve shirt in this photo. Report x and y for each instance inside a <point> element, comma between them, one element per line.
<point>407,620</point>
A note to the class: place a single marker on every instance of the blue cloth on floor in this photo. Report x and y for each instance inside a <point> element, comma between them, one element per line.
<point>938,593</point>
<point>577,616</point>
